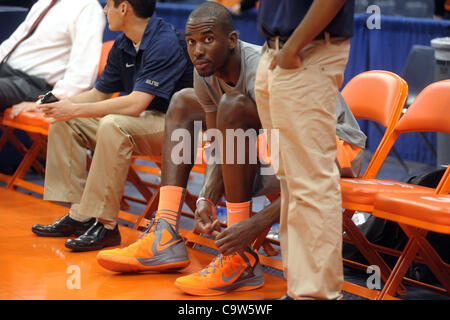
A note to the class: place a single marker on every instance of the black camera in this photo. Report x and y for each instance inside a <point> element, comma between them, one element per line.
<point>49,98</point>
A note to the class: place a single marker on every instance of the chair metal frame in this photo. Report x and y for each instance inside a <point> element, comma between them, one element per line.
<point>428,113</point>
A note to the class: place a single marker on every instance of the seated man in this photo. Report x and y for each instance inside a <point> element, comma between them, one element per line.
<point>148,63</point>
<point>62,54</point>
<point>223,98</point>
<point>223,81</point>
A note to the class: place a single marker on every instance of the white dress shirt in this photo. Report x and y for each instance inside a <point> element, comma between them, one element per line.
<point>64,49</point>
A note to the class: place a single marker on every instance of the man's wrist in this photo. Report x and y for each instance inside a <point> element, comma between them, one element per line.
<point>204,199</point>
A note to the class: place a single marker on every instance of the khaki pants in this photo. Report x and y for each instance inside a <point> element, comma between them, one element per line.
<point>300,103</point>
<point>114,138</point>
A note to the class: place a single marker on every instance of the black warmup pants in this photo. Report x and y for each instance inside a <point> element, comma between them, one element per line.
<point>17,86</point>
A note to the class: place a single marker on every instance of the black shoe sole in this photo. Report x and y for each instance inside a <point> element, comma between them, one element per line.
<point>94,248</point>
<point>56,234</point>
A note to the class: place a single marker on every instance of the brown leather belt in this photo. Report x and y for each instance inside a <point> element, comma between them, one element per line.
<point>271,42</point>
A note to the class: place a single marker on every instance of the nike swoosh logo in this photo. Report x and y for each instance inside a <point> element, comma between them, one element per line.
<point>161,247</point>
<point>227,279</point>
<point>129,65</point>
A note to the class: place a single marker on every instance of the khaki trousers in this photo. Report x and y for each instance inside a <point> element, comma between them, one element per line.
<point>114,139</point>
<point>300,103</point>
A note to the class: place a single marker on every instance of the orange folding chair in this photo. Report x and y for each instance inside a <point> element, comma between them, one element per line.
<point>376,96</point>
<point>36,126</point>
<point>418,212</point>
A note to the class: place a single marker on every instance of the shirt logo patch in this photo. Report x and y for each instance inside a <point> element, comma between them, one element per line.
<point>129,65</point>
<point>152,82</point>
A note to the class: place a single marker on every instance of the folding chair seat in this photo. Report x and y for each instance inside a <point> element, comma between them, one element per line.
<point>376,96</point>
<point>36,126</point>
<point>358,194</point>
<point>418,213</point>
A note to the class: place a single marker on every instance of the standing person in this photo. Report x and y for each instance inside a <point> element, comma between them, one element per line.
<point>149,64</point>
<point>61,54</point>
<point>297,82</point>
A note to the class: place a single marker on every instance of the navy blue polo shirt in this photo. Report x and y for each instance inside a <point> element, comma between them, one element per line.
<point>281,18</point>
<point>160,67</point>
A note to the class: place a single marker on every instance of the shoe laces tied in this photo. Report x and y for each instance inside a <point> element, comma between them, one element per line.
<point>218,261</point>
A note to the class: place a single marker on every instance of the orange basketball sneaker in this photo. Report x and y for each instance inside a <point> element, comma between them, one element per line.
<point>159,249</point>
<point>240,271</point>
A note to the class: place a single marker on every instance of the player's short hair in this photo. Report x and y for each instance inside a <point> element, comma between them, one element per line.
<point>142,8</point>
<point>212,9</point>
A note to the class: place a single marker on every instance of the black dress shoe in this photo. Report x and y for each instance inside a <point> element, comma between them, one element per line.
<point>64,227</point>
<point>96,238</point>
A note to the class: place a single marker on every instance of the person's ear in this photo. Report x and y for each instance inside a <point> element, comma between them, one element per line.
<point>232,40</point>
<point>124,7</point>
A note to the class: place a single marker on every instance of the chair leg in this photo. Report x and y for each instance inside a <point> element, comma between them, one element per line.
<point>152,206</point>
<point>431,258</point>
<point>366,249</point>
<point>134,178</point>
<point>400,269</point>
<point>8,135</point>
<point>7,131</point>
<point>26,163</point>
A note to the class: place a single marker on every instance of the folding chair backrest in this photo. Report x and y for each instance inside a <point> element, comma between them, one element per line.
<point>377,96</point>
<point>428,113</point>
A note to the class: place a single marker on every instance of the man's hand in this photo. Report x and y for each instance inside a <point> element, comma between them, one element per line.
<point>23,107</point>
<point>205,220</point>
<point>62,110</point>
<point>238,236</point>
<point>286,59</point>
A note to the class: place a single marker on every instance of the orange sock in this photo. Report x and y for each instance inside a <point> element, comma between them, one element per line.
<point>238,211</point>
<point>171,199</point>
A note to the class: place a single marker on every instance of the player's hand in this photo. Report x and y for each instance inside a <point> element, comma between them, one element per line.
<point>236,237</point>
<point>205,219</point>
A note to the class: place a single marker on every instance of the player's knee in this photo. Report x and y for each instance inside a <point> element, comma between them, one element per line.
<point>232,112</point>
<point>179,107</point>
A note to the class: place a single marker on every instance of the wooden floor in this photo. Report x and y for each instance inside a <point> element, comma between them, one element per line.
<point>33,267</point>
